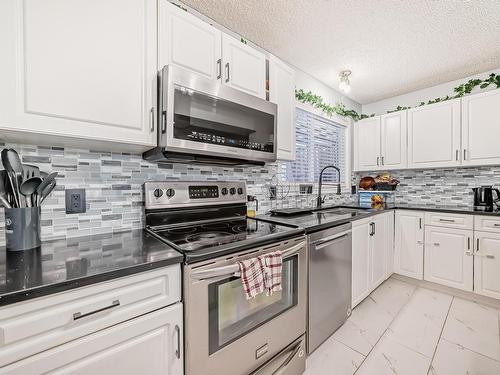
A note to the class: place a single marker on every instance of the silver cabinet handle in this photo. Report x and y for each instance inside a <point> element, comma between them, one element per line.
<point>293,352</point>
<point>420,242</point>
<point>227,72</point>
<point>378,160</point>
<point>152,119</point>
<point>468,243</point>
<point>436,244</point>
<point>465,154</point>
<point>164,94</point>
<point>457,155</point>
<point>446,220</point>
<point>178,350</point>
<point>382,160</point>
<point>219,69</point>
<point>79,315</point>
<point>420,223</point>
<point>496,225</point>
<point>477,247</point>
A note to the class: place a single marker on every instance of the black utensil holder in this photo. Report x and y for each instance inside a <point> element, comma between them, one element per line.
<point>22,228</point>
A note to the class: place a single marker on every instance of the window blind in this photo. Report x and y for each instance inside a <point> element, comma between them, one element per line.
<point>319,142</point>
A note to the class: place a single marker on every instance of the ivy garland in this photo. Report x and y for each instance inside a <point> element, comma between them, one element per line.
<point>340,109</point>
<point>317,102</point>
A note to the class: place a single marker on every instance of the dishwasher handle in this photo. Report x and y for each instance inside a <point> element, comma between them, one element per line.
<point>328,241</point>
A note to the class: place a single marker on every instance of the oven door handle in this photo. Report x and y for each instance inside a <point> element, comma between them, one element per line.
<point>234,269</point>
<point>293,352</point>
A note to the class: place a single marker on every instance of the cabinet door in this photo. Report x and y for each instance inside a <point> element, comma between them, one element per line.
<point>360,263</point>
<point>487,264</point>
<point>448,257</point>
<point>481,128</point>
<point>434,135</point>
<point>282,92</point>
<point>393,140</point>
<point>152,341</point>
<point>79,69</point>
<point>378,251</point>
<point>409,244</point>
<point>244,67</point>
<point>188,42</point>
<point>389,268</point>
<point>367,144</point>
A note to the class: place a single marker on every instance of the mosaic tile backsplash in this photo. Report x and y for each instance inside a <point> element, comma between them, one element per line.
<point>443,187</point>
<point>113,184</point>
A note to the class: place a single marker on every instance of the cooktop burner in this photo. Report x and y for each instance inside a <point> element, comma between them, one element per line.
<point>197,237</point>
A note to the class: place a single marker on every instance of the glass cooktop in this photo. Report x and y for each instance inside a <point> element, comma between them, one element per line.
<point>197,237</point>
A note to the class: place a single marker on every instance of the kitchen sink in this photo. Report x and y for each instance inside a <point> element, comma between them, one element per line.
<point>343,211</point>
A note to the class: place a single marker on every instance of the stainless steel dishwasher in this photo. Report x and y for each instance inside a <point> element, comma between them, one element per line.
<point>330,269</point>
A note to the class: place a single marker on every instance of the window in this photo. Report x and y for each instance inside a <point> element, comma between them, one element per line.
<point>319,142</point>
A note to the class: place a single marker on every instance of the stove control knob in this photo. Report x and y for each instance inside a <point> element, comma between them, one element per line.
<point>157,193</point>
<point>240,191</point>
<point>224,191</point>
<point>232,191</point>
<point>170,193</point>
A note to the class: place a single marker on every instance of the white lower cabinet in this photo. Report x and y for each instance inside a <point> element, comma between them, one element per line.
<point>152,341</point>
<point>487,264</point>
<point>448,257</point>
<point>369,255</point>
<point>409,244</point>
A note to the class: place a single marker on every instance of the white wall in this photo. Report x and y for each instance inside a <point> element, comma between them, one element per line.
<point>308,83</point>
<point>414,98</point>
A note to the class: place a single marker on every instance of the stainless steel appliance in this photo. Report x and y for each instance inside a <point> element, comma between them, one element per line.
<point>330,270</point>
<point>225,334</point>
<point>205,121</point>
<point>483,198</point>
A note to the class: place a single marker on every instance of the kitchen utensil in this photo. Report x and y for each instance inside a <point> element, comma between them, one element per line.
<point>3,190</point>
<point>46,182</point>
<point>30,171</point>
<point>47,191</point>
<point>29,187</point>
<point>483,197</point>
<point>11,175</point>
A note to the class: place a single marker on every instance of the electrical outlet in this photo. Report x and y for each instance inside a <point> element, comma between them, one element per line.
<point>75,201</point>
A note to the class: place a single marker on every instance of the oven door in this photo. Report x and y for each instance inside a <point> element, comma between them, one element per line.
<point>229,335</point>
<point>201,116</point>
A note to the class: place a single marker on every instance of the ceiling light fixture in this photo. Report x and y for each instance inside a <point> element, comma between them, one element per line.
<point>345,85</point>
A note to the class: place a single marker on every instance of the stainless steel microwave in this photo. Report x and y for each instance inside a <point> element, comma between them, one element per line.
<point>205,121</point>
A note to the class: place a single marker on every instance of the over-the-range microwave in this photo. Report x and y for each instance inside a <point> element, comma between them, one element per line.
<point>205,121</point>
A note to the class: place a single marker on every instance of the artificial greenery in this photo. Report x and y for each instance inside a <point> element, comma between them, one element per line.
<point>318,102</point>
<point>340,109</point>
<point>461,90</point>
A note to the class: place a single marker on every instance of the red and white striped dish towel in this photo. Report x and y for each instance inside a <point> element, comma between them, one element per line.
<point>272,272</point>
<point>252,276</point>
<point>261,273</point>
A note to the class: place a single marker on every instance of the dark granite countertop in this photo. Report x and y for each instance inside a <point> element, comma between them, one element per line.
<point>322,219</point>
<point>61,265</point>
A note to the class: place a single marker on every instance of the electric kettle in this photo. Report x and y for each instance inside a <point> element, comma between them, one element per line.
<point>483,197</point>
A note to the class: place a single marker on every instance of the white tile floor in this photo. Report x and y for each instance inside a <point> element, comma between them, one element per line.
<point>405,329</point>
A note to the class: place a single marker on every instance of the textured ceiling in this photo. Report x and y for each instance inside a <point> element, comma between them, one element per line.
<point>392,46</point>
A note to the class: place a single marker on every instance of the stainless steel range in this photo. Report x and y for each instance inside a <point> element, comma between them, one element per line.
<point>225,334</point>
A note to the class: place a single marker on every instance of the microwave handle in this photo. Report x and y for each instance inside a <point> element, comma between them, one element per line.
<point>234,269</point>
<point>164,97</point>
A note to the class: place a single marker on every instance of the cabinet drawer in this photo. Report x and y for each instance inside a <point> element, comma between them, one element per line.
<point>487,223</point>
<point>30,327</point>
<point>449,220</point>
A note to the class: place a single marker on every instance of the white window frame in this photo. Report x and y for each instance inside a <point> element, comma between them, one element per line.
<point>329,187</point>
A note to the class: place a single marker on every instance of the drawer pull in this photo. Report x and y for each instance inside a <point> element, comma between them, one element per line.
<point>496,225</point>
<point>436,243</point>
<point>178,350</point>
<point>79,315</point>
<point>446,220</point>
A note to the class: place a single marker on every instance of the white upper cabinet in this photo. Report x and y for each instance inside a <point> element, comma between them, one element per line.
<point>409,244</point>
<point>78,69</point>
<point>188,42</point>
<point>367,144</point>
<point>394,141</point>
<point>448,257</point>
<point>434,135</point>
<point>481,128</point>
<point>282,92</point>
<point>244,68</point>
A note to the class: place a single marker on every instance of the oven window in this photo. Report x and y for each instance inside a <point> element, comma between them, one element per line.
<point>231,315</point>
<point>202,118</point>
